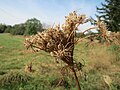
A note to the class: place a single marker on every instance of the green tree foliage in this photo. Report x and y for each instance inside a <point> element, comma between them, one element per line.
<point>2,28</point>
<point>110,14</point>
<point>32,26</point>
<point>8,29</point>
<point>18,29</point>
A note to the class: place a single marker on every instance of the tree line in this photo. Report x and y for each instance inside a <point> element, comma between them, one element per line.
<point>109,13</point>
<point>30,27</point>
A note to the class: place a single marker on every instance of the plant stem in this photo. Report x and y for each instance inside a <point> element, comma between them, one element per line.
<point>76,78</point>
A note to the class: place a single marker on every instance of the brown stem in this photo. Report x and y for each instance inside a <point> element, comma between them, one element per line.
<point>76,78</point>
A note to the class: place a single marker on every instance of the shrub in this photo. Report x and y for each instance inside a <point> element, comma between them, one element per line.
<point>2,28</point>
<point>18,29</point>
<point>8,29</point>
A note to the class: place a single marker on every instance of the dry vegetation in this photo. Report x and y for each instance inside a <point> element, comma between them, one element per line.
<point>60,42</point>
<point>46,74</point>
<point>97,66</point>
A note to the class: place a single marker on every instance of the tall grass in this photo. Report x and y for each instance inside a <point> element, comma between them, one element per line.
<point>99,60</point>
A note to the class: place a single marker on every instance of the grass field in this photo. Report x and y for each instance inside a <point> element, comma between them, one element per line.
<point>99,61</point>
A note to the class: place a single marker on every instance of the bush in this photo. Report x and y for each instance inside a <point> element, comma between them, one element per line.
<point>8,29</point>
<point>2,28</point>
<point>18,29</point>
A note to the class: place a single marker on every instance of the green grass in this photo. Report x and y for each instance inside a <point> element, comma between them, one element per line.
<point>99,60</point>
<point>13,54</point>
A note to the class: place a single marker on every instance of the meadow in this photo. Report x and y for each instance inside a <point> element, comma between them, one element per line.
<point>100,60</point>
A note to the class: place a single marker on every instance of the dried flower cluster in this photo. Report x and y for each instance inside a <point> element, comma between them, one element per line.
<point>108,36</point>
<point>115,36</point>
<point>58,41</point>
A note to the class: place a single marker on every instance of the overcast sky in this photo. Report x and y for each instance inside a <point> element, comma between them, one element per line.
<point>47,11</point>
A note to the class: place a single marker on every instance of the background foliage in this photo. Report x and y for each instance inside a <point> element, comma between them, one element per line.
<point>30,27</point>
<point>110,14</point>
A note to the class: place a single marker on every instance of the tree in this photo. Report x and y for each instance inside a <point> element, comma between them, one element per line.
<point>32,26</point>
<point>110,14</point>
<point>18,29</point>
<point>8,29</point>
<point>2,28</point>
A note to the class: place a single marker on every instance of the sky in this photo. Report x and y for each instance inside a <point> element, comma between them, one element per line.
<point>47,11</point>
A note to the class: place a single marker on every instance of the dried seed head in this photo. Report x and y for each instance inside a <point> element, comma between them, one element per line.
<point>59,43</point>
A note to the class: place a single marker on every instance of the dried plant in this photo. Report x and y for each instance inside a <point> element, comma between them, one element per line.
<point>108,36</point>
<point>59,41</point>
